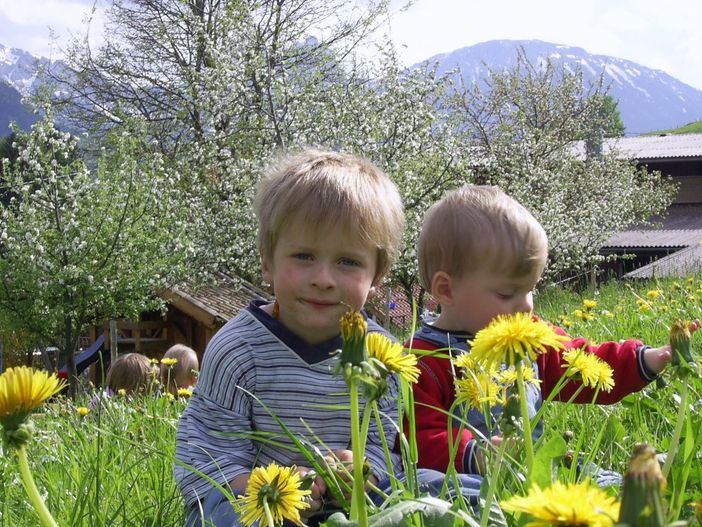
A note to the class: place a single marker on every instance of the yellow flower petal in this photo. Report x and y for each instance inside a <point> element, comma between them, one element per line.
<point>24,389</point>
<point>393,356</point>
<point>280,488</point>
<point>592,370</point>
<point>566,505</point>
<point>512,338</point>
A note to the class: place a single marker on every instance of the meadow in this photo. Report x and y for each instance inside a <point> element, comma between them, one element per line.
<point>114,465</point>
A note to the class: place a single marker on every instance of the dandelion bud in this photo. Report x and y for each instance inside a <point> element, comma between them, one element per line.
<point>568,435</point>
<point>20,436</point>
<point>353,332</point>
<point>511,420</point>
<point>680,344</point>
<point>642,490</point>
<point>568,458</point>
<point>698,510</point>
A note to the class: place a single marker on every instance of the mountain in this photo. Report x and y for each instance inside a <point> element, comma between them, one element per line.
<point>18,76</point>
<point>648,99</point>
<point>12,109</point>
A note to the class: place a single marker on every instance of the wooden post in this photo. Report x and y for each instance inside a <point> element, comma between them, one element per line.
<point>113,341</point>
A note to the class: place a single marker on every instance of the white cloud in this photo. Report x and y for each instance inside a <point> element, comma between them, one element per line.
<point>29,25</point>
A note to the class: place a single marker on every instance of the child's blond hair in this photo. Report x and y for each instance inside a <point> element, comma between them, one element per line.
<point>180,374</point>
<point>132,372</point>
<point>476,227</point>
<point>322,189</point>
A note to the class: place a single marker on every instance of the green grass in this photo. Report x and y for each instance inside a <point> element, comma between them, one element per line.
<point>114,467</point>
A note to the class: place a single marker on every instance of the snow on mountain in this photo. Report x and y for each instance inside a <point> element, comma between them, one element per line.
<point>649,99</point>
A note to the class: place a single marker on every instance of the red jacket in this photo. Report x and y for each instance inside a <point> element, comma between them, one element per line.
<point>435,388</point>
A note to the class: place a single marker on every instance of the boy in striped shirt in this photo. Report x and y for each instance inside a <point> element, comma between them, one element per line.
<point>330,225</point>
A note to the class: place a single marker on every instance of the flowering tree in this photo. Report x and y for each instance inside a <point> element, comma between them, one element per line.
<point>526,122</point>
<point>223,86</point>
<point>79,245</point>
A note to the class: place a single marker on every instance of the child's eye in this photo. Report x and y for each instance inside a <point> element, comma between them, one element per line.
<point>302,256</point>
<point>349,262</point>
<point>505,296</point>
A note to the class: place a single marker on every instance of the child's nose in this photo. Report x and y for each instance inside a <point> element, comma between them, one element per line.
<point>322,276</point>
<point>524,305</point>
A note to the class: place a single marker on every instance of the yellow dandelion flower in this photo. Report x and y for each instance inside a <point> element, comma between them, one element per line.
<point>644,307</point>
<point>592,370</point>
<point>22,390</point>
<point>585,316</point>
<point>279,488</point>
<point>465,361</point>
<point>153,361</point>
<point>511,338</point>
<point>676,286</point>
<point>691,280</point>
<point>566,504</point>
<point>83,411</point>
<point>122,392</point>
<point>476,390</point>
<point>169,396</point>
<point>508,376</point>
<point>169,361</point>
<point>565,322</point>
<point>653,294</point>
<point>393,356</point>
<point>184,392</point>
<point>589,304</point>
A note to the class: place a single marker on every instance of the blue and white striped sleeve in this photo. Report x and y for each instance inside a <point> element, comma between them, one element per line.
<point>211,434</point>
<point>375,452</point>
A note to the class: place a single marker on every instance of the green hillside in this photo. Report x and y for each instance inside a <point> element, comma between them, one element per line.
<point>690,128</point>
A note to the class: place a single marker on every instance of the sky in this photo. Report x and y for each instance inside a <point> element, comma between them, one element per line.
<point>663,35</point>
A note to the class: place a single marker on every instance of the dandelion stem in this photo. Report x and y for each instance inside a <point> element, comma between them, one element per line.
<point>31,489</point>
<point>358,496</point>
<point>528,441</point>
<point>269,516</point>
<point>675,440</point>
<point>485,514</point>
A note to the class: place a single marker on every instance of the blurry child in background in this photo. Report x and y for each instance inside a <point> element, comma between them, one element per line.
<point>129,374</point>
<point>183,372</point>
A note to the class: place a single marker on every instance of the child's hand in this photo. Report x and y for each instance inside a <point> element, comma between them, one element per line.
<point>656,359</point>
<point>317,492</point>
<point>343,461</point>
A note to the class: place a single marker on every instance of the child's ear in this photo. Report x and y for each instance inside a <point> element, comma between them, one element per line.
<point>372,292</point>
<point>441,288</point>
<point>266,270</point>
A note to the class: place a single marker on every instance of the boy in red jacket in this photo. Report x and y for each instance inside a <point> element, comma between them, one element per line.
<point>481,254</point>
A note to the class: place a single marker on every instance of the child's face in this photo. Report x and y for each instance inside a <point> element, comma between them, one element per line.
<point>317,275</point>
<point>481,295</point>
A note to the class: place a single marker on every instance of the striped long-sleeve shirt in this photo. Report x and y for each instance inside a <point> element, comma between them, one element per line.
<point>255,361</point>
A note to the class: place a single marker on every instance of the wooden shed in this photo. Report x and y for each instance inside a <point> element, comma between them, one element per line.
<point>192,317</point>
<point>673,249</point>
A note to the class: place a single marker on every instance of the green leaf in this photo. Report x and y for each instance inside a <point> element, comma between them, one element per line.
<point>543,461</point>
<point>435,513</point>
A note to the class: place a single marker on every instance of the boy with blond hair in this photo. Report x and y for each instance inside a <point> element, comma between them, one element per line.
<point>481,254</point>
<point>183,372</point>
<point>330,226</point>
